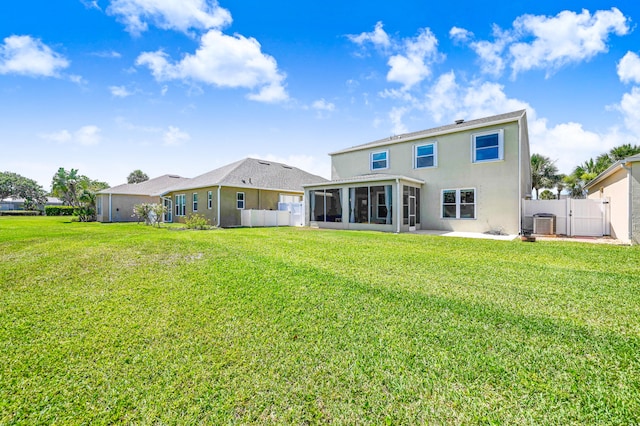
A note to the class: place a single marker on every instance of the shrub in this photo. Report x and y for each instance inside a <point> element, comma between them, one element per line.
<point>150,213</point>
<point>197,221</point>
<point>59,210</point>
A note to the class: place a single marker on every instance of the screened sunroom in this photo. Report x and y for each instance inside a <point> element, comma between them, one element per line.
<point>375,202</point>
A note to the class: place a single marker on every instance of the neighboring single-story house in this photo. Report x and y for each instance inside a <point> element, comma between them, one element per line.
<point>621,184</point>
<point>18,203</point>
<point>221,194</point>
<point>116,204</point>
<point>467,176</point>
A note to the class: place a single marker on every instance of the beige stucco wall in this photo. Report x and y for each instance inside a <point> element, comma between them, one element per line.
<point>122,206</point>
<point>616,188</point>
<point>497,184</point>
<point>635,202</point>
<point>230,215</point>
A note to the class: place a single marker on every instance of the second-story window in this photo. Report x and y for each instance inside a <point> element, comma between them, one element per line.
<point>380,160</point>
<point>426,156</point>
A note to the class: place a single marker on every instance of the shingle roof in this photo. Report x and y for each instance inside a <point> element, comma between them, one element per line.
<point>252,173</point>
<point>153,187</point>
<point>371,177</point>
<point>449,128</point>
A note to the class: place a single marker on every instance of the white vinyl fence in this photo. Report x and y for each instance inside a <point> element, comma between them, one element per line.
<point>289,214</point>
<point>574,217</point>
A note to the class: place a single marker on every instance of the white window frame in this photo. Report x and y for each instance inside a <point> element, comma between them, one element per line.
<point>500,133</point>
<point>458,204</point>
<point>386,159</point>
<point>435,155</point>
<point>194,200</point>
<point>210,200</point>
<point>99,205</point>
<point>238,200</point>
<point>181,204</point>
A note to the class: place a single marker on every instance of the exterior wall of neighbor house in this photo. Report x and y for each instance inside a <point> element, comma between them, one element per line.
<point>230,215</point>
<point>122,206</point>
<point>210,214</point>
<point>635,202</point>
<point>498,186</point>
<point>616,188</point>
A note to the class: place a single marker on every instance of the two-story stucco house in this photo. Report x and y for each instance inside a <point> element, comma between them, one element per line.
<point>468,176</point>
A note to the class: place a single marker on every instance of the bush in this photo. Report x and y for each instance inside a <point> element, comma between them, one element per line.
<point>59,210</point>
<point>150,213</point>
<point>19,213</point>
<point>197,221</point>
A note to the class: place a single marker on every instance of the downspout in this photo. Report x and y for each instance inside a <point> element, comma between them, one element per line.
<point>520,177</point>
<point>629,202</point>
<point>219,206</point>
<point>398,209</point>
<point>109,208</point>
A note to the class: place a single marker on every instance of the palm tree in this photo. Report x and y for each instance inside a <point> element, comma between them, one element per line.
<point>543,171</point>
<point>623,151</point>
<point>65,186</point>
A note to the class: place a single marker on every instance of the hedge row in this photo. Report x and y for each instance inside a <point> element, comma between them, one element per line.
<point>59,210</point>
<point>20,213</point>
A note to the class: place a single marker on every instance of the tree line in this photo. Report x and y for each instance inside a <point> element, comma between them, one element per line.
<point>545,176</point>
<point>72,188</point>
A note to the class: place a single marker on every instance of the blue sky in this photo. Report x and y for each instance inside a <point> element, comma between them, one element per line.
<point>186,86</point>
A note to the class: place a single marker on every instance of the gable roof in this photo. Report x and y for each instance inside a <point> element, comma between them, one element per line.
<point>458,126</point>
<point>611,169</point>
<point>252,173</point>
<point>152,187</point>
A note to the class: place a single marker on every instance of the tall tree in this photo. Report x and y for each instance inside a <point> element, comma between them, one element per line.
<point>78,191</point>
<point>543,172</point>
<point>137,176</point>
<point>15,185</point>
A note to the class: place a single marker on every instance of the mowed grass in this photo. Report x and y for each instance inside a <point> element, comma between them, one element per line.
<point>123,323</point>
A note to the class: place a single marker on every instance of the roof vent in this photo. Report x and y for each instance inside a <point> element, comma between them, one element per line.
<point>460,121</point>
<point>266,163</point>
<point>284,166</point>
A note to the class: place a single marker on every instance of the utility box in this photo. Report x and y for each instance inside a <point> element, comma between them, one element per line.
<point>544,224</point>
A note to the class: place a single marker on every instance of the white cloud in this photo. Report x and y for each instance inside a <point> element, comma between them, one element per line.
<point>460,34</point>
<point>629,68</point>
<point>107,54</point>
<point>85,135</point>
<point>378,37</point>
<point>30,56</point>
<point>223,61</point>
<point>447,101</point>
<point>630,108</point>
<point>565,38</point>
<point>395,115</point>
<point>180,15</point>
<point>410,59</point>
<point>323,105</point>
<point>174,136</point>
<point>548,43</point>
<point>412,66</point>
<point>120,91</point>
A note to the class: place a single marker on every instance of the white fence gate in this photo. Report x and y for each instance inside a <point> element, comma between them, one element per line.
<point>574,217</point>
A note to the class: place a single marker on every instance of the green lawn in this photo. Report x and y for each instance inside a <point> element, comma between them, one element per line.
<point>123,323</point>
